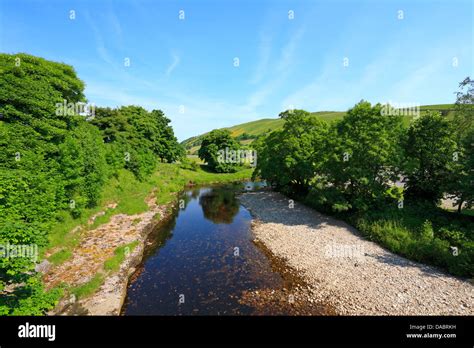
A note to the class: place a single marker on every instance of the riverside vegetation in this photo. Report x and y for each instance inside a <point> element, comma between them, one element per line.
<point>60,169</point>
<point>353,168</point>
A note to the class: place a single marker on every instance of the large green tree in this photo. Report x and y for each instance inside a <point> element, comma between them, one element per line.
<point>32,187</point>
<point>289,158</point>
<point>460,185</point>
<point>214,147</point>
<point>464,107</point>
<point>364,154</point>
<point>431,157</point>
<point>135,138</point>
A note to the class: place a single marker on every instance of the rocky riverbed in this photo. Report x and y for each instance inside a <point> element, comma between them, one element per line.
<point>353,275</point>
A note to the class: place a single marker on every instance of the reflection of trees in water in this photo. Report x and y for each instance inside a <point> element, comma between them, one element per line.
<point>219,205</point>
<point>160,236</point>
<point>195,192</point>
<point>186,197</point>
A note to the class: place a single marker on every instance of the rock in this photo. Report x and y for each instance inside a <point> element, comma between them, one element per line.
<point>43,267</point>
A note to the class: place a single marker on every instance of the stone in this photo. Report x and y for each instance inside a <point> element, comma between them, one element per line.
<point>43,266</point>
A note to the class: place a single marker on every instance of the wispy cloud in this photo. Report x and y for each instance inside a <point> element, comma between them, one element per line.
<point>280,72</point>
<point>99,42</point>
<point>115,23</point>
<point>173,65</point>
<point>288,51</point>
<point>264,52</point>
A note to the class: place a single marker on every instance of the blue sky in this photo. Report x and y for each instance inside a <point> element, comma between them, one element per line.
<point>186,67</point>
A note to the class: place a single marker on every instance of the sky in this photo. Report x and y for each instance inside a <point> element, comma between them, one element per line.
<point>215,63</point>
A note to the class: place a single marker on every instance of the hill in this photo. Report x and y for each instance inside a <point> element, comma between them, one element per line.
<point>247,132</point>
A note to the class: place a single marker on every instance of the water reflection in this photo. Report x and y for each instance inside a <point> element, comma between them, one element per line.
<point>193,258</point>
<point>219,205</point>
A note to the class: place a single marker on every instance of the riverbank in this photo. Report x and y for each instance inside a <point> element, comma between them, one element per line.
<point>92,258</point>
<point>353,275</point>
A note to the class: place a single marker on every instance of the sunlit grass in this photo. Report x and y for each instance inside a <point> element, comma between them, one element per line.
<point>113,264</point>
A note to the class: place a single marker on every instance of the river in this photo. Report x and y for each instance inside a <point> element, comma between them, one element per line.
<point>203,261</point>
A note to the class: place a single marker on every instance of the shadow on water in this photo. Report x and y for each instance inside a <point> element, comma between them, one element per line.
<point>203,260</point>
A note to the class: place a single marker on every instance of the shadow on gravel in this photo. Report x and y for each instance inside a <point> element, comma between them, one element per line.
<point>400,261</point>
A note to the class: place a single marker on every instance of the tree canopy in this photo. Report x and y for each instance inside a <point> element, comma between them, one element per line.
<point>214,145</point>
<point>52,160</point>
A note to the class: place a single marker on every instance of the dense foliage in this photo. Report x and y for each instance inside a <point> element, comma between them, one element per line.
<point>214,147</point>
<point>300,148</point>
<point>53,160</point>
<point>135,137</point>
<point>430,152</point>
<point>383,177</point>
<point>462,187</point>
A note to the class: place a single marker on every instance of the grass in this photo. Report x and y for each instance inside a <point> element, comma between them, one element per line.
<point>113,264</point>
<point>437,107</point>
<point>59,257</point>
<point>90,287</point>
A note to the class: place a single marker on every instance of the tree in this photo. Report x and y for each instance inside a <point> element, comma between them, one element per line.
<point>214,149</point>
<point>83,163</point>
<point>431,153</point>
<point>464,107</point>
<point>460,185</point>
<point>32,189</point>
<point>269,161</point>
<point>364,154</point>
<point>135,138</point>
<point>289,158</point>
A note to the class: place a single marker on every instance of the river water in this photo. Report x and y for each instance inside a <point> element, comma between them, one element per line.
<point>203,260</point>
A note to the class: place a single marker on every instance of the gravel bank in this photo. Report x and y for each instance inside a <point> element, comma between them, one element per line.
<point>356,276</point>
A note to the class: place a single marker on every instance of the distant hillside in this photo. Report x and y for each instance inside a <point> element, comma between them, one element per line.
<point>247,132</point>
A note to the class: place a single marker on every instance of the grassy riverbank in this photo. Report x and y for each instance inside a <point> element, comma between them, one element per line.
<point>422,233</point>
<point>123,194</point>
<point>128,196</point>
